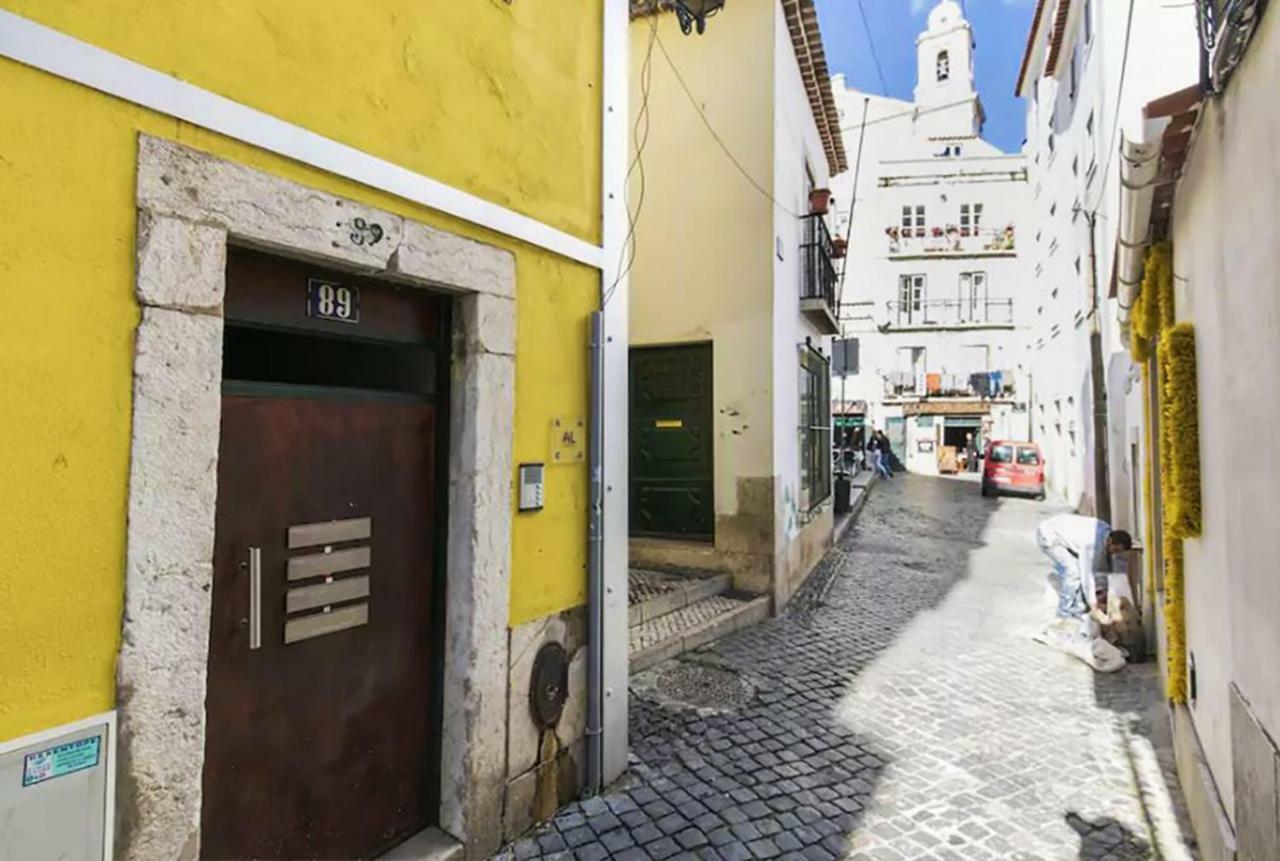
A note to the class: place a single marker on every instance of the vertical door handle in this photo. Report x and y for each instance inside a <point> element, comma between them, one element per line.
<point>255,597</point>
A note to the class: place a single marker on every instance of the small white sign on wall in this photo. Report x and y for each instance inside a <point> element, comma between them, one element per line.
<point>57,792</point>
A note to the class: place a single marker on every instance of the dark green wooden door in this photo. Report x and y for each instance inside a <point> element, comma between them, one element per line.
<point>671,442</point>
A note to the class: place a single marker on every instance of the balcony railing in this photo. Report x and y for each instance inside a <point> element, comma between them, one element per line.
<point>953,241</point>
<point>952,312</point>
<point>818,285</point>
<point>980,384</point>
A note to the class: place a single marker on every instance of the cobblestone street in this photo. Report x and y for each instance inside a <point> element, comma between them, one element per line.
<point>897,710</point>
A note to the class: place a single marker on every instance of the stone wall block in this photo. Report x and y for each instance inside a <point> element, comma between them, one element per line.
<point>181,265</point>
<point>1255,760</point>
<point>523,736</point>
<point>454,262</point>
<point>490,325</point>
<point>476,650</point>
<point>161,673</point>
<point>176,413</point>
<point>161,668</point>
<point>263,210</point>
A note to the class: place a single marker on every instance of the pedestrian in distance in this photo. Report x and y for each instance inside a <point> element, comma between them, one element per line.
<point>971,452</point>
<point>875,449</point>
<point>886,453</point>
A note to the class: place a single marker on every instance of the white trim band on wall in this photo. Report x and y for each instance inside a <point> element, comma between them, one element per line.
<point>58,54</point>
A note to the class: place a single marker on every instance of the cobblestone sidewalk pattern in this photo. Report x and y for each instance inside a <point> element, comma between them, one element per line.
<point>898,710</point>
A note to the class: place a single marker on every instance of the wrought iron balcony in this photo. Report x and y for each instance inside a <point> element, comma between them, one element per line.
<point>818,287</point>
<point>951,312</point>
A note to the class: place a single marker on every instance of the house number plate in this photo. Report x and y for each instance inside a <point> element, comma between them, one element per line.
<point>329,301</point>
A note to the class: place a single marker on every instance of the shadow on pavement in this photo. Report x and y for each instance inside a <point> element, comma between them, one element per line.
<point>1106,838</point>
<point>775,774</point>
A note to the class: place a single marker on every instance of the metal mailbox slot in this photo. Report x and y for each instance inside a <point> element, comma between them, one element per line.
<point>301,624</point>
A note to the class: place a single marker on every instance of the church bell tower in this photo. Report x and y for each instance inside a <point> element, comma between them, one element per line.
<point>945,94</point>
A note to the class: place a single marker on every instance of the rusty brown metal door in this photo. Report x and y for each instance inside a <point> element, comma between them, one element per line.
<point>324,644</point>
<point>321,747</point>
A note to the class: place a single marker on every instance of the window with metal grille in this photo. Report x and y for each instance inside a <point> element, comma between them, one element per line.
<point>815,427</point>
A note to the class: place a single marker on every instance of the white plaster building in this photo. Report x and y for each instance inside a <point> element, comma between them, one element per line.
<point>936,293</point>
<point>1195,150</point>
<point>1200,173</point>
<point>1071,81</point>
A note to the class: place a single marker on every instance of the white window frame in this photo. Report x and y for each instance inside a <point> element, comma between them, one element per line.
<point>973,297</point>
<point>912,290</point>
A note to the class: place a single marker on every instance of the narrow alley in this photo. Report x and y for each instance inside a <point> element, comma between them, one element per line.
<point>897,710</point>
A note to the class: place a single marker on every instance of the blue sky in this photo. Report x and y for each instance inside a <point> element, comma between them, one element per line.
<point>999,27</point>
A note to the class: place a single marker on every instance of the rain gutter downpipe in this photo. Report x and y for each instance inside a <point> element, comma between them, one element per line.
<point>595,560</point>
<point>1139,167</point>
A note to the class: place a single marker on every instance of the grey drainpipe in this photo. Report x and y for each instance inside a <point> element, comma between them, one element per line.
<point>595,561</point>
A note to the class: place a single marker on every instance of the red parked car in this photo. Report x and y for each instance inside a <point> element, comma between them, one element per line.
<point>1012,467</point>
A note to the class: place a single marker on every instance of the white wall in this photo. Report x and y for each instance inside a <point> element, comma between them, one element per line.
<point>1225,264</point>
<point>797,147</point>
<point>1079,172</point>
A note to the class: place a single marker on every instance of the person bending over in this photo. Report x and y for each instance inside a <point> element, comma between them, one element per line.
<point>1078,547</point>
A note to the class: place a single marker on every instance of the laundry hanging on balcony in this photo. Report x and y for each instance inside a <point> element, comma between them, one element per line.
<point>997,383</point>
<point>980,384</point>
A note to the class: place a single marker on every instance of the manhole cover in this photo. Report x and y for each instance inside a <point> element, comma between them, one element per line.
<point>699,686</point>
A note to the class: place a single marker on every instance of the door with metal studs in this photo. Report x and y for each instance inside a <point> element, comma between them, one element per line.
<point>325,640</point>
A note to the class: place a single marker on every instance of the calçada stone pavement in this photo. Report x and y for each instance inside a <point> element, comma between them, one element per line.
<point>897,710</point>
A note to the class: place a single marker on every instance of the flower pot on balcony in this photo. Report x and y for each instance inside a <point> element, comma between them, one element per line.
<point>820,201</point>
<point>838,247</point>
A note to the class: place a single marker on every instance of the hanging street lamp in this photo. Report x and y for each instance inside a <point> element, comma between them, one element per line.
<point>693,14</point>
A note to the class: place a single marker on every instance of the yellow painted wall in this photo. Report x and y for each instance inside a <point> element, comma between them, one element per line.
<point>501,99</point>
<point>704,261</point>
<point>524,132</point>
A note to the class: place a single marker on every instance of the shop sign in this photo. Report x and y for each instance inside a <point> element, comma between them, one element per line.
<point>946,408</point>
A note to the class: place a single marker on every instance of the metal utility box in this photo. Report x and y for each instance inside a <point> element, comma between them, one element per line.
<point>56,793</point>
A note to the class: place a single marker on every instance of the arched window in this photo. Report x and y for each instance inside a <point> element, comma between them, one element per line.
<point>944,66</point>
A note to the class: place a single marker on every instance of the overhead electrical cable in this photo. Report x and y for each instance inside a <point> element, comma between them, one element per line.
<point>716,135</point>
<point>640,137</point>
<point>871,44</point>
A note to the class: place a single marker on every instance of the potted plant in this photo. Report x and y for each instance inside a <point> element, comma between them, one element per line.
<point>937,232</point>
<point>820,201</point>
<point>838,247</point>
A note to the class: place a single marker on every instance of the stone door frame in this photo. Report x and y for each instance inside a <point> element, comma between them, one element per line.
<point>191,206</point>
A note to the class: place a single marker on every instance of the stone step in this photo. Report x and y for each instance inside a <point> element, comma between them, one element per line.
<point>692,626</point>
<point>651,594</point>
